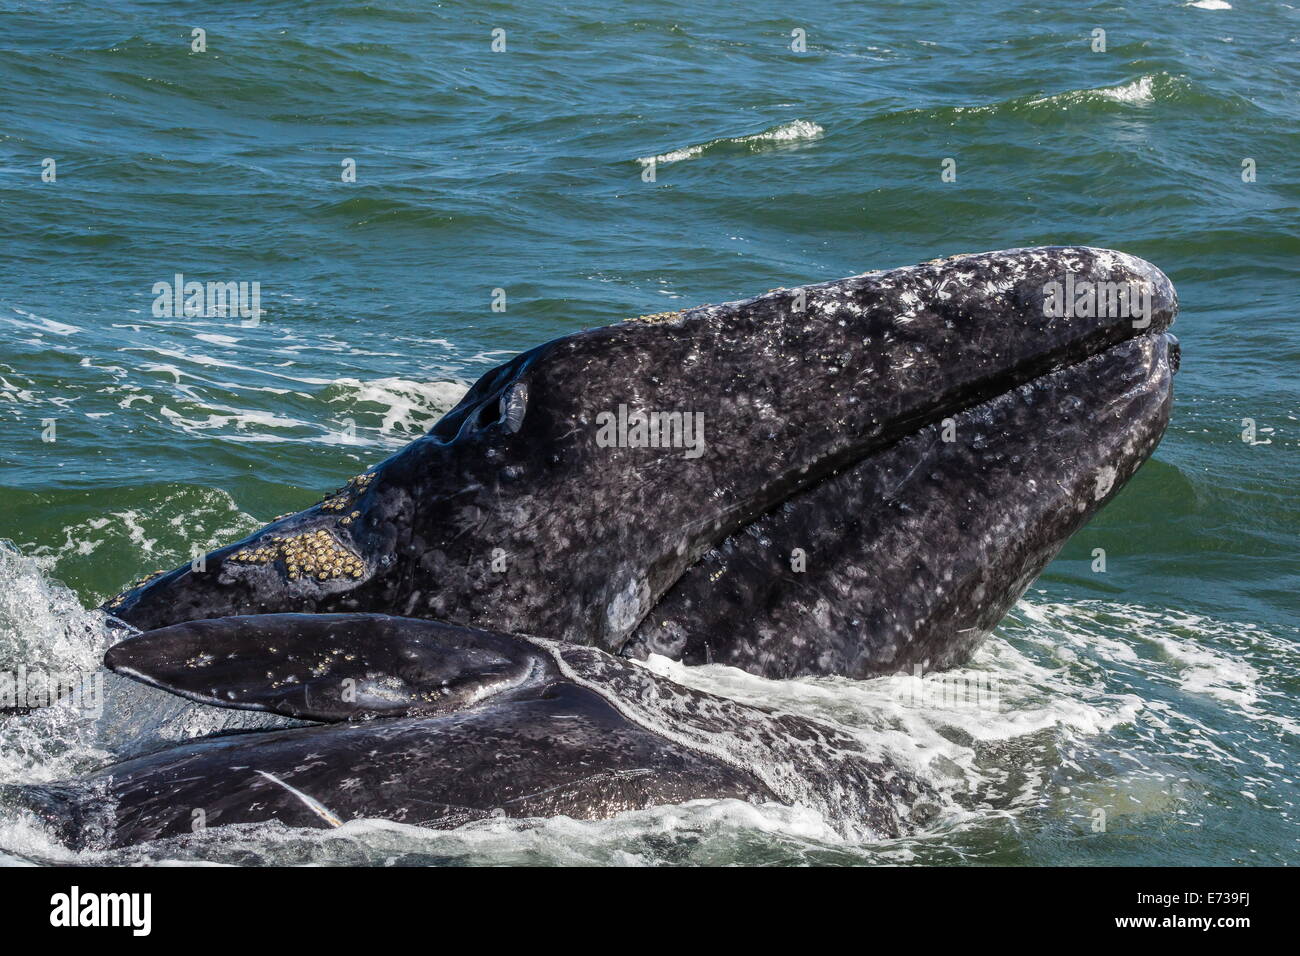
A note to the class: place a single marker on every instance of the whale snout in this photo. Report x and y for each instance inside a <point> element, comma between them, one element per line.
<point>909,558</point>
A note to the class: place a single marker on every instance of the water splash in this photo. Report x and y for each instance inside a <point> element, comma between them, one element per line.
<point>1148,715</point>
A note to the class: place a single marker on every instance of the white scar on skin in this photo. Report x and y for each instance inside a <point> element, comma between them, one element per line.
<point>314,805</point>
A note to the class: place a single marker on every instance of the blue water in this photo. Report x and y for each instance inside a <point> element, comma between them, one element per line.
<point>1164,689</point>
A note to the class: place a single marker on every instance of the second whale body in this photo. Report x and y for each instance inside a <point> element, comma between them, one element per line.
<point>435,725</point>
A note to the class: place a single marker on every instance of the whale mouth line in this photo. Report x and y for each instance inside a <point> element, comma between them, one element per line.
<point>910,553</point>
<point>1030,372</point>
<point>1027,375</point>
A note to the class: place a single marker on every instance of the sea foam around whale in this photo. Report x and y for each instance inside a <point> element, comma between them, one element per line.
<point>1076,728</point>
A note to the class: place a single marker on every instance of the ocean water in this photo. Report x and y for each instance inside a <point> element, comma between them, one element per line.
<point>1164,693</point>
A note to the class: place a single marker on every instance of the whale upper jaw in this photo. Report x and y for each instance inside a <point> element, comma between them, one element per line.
<point>513,514</point>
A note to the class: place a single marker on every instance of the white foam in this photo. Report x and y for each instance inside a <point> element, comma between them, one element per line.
<point>941,743</point>
<point>49,325</point>
<point>209,361</point>
<point>43,628</point>
<point>410,407</point>
<point>794,131</point>
<point>1138,91</point>
<point>41,621</point>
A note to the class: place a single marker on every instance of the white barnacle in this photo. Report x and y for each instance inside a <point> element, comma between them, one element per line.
<point>626,608</point>
<point>1105,481</point>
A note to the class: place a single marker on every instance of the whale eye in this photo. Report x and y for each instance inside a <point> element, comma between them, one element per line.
<point>514,403</point>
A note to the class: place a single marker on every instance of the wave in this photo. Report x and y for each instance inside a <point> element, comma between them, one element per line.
<point>795,131</point>
<point>1136,92</point>
<point>1142,92</point>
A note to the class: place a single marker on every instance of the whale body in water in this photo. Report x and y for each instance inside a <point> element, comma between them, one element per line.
<point>853,478</point>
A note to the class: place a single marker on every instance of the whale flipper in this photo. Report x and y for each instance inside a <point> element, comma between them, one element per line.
<point>330,667</point>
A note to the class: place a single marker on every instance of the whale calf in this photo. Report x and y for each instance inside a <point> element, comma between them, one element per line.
<point>437,725</point>
<point>852,478</point>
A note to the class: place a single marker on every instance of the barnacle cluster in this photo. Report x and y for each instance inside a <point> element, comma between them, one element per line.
<point>348,493</point>
<point>312,554</point>
<point>656,317</point>
<point>319,553</point>
<point>117,601</point>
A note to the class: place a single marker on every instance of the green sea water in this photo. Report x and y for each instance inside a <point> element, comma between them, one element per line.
<point>1162,692</point>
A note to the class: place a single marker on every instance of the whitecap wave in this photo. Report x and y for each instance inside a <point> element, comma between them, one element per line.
<point>793,132</point>
<point>1134,93</point>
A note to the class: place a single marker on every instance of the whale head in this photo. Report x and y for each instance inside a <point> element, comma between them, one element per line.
<point>575,486</point>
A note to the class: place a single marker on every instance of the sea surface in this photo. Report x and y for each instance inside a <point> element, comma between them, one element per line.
<point>1164,692</point>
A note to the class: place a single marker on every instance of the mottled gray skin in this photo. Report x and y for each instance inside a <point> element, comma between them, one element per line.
<point>450,725</point>
<point>593,537</point>
<point>912,556</point>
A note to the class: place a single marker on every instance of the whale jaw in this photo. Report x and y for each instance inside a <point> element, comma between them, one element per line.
<point>903,563</point>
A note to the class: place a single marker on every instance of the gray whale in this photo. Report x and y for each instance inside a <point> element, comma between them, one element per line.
<point>439,725</point>
<point>823,412</point>
<point>887,462</point>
